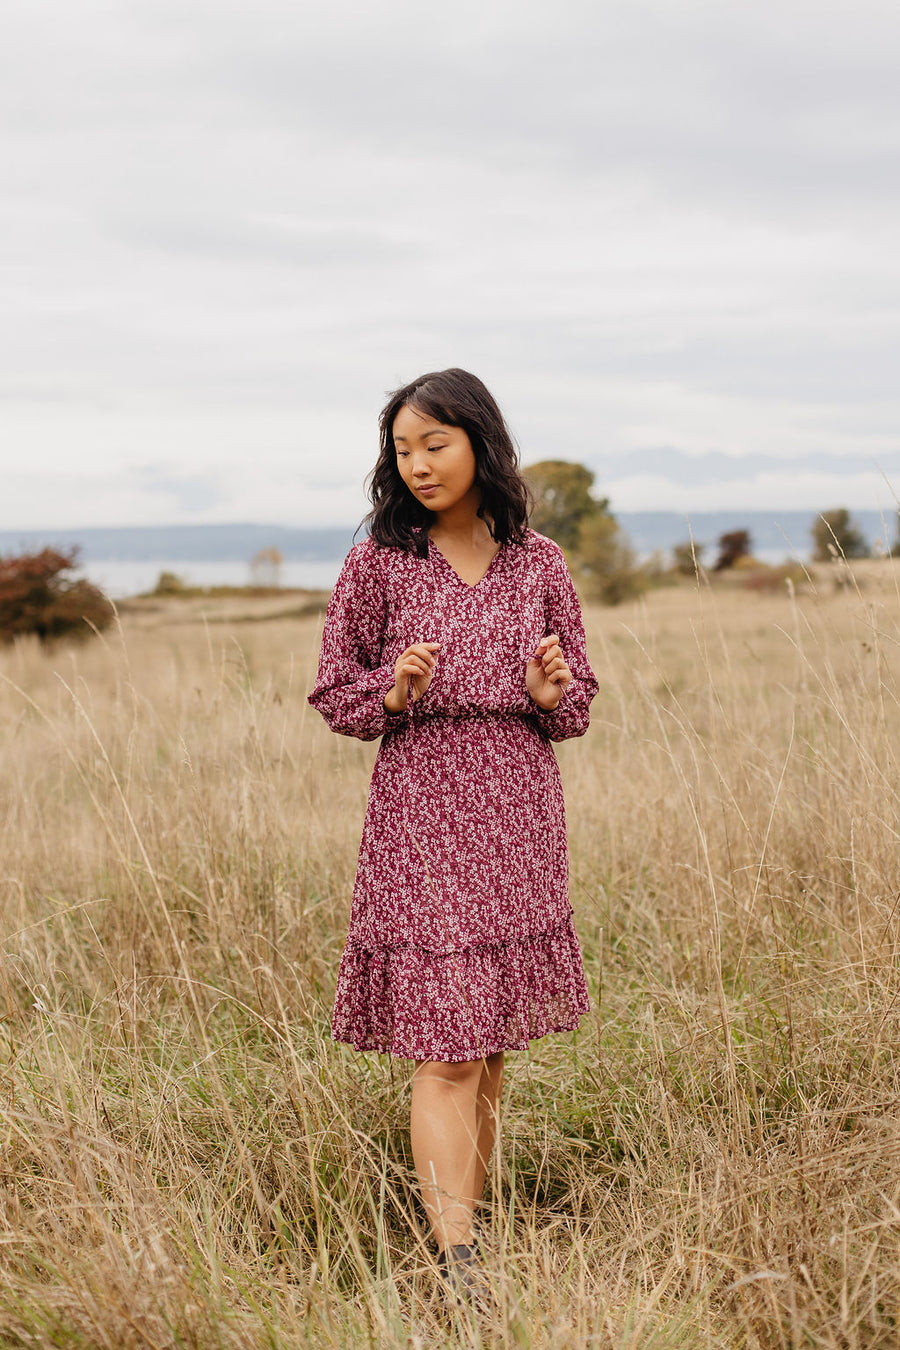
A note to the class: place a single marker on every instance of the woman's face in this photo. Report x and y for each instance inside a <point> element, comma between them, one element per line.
<point>436,462</point>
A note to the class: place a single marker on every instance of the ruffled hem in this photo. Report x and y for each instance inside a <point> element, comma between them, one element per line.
<point>464,1005</point>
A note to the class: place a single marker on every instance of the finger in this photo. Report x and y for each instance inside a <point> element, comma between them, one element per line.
<point>554,654</point>
<point>562,676</point>
<point>425,667</point>
<point>424,658</point>
<point>550,640</point>
<point>416,667</point>
<point>428,650</point>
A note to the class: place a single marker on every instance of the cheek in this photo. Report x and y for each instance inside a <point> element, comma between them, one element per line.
<point>466,469</point>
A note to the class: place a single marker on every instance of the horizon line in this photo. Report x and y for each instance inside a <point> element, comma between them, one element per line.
<point>346,525</point>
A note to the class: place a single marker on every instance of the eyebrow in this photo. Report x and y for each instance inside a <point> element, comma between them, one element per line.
<point>423,436</point>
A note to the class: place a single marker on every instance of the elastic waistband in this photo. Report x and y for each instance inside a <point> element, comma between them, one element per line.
<point>425,719</point>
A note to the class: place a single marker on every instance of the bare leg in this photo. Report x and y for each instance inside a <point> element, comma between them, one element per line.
<point>487,1115</point>
<point>444,1132</point>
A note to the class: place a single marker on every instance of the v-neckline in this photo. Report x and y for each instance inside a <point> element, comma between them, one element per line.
<point>469,586</point>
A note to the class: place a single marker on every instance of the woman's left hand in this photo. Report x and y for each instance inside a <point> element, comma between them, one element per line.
<point>546,674</point>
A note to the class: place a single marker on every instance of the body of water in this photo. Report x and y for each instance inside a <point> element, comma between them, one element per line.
<point>123,578</point>
<point>120,579</point>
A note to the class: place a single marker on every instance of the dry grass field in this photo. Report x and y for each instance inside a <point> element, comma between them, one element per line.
<point>713,1160</point>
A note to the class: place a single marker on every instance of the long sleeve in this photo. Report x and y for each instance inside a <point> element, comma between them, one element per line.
<point>352,681</point>
<point>563,616</point>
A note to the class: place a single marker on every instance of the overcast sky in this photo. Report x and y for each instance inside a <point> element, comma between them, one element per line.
<point>665,233</point>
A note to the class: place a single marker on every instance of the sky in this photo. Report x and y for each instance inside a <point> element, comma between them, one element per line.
<point>664,234</point>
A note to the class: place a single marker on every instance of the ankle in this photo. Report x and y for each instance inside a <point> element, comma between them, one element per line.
<point>459,1253</point>
<point>458,1240</point>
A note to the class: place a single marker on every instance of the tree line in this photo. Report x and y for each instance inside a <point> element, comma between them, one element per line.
<point>604,562</point>
<point>40,596</point>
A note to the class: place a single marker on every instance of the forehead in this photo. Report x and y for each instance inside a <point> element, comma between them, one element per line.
<point>412,425</point>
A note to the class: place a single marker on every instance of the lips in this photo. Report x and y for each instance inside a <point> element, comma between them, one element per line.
<point>428,489</point>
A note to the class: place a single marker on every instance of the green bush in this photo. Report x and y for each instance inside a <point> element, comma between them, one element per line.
<point>605,562</point>
<point>688,557</point>
<point>168,583</point>
<point>834,535</point>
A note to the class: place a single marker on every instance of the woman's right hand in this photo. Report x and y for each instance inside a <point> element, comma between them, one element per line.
<point>416,664</point>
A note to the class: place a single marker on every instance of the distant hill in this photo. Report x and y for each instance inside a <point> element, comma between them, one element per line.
<point>186,543</point>
<point>775,534</point>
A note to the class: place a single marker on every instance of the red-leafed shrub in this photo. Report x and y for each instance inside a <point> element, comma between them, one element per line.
<point>37,596</point>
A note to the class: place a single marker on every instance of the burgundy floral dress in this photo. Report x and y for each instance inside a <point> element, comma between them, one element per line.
<point>461,940</point>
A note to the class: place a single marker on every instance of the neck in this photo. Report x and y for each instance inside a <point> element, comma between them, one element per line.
<point>462,521</point>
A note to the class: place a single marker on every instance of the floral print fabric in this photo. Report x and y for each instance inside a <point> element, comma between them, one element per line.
<point>461,940</point>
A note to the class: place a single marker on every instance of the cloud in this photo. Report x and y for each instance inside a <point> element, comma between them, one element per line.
<point>814,488</point>
<point>714,468</point>
<point>266,240</point>
<point>190,494</point>
<point>230,229</point>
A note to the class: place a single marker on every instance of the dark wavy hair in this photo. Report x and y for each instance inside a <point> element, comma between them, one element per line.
<point>457,399</point>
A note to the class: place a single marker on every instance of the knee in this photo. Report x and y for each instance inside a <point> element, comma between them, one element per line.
<point>465,1074</point>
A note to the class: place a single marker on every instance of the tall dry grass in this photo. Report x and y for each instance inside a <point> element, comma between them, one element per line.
<point>188,1160</point>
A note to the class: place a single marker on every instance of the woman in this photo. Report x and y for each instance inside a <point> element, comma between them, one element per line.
<point>454,632</point>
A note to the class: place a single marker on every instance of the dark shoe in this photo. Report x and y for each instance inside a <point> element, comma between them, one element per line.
<point>464,1277</point>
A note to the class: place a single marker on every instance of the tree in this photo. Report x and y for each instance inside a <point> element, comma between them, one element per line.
<point>265,567</point>
<point>688,557</point>
<point>562,499</point>
<point>605,562</point>
<point>36,596</point>
<point>732,546</point>
<point>835,536</point>
<point>600,556</point>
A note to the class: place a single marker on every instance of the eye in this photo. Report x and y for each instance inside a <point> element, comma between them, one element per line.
<point>437,447</point>
<point>401,454</point>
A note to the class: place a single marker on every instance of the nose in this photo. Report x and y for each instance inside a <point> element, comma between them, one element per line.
<point>421,468</point>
